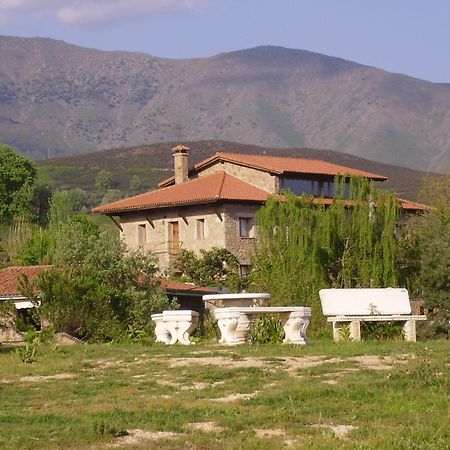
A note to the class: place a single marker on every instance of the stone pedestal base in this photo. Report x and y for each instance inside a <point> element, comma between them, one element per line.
<point>175,326</point>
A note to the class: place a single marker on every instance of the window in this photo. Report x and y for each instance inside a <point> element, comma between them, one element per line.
<point>200,228</point>
<point>246,227</point>
<point>174,238</point>
<point>317,188</point>
<point>244,270</point>
<point>142,235</point>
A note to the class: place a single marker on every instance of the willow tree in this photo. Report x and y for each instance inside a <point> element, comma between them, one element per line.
<point>304,246</point>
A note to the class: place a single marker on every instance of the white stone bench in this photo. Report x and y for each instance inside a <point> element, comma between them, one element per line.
<point>213,301</point>
<point>234,322</point>
<point>175,326</point>
<point>353,306</point>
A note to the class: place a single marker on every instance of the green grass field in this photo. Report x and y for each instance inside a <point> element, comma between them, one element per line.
<point>380,395</point>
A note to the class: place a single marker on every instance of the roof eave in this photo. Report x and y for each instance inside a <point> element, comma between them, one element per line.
<point>175,205</point>
<point>373,176</point>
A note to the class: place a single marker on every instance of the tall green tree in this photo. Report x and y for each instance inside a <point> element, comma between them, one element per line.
<point>303,246</point>
<point>17,179</point>
<point>104,180</point>
<point>425,249</point>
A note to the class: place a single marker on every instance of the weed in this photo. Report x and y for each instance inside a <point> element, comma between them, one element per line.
<point>381,331</point>
<point>345,333</point>
<point>28,352</point>
<point>266,329</point>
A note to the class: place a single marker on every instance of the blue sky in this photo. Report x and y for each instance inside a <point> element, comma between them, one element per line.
<point>406,36</point>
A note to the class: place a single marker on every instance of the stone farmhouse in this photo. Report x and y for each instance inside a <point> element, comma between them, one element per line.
<point>214,204</point>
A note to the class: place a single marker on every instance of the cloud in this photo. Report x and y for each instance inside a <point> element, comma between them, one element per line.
<point>100,12</point>
<point>7,6</point>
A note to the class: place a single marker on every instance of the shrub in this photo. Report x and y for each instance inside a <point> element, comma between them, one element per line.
<point>215,267</point>
<point>98,290</point>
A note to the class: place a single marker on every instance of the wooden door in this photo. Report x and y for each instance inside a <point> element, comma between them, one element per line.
<point>174,238</point>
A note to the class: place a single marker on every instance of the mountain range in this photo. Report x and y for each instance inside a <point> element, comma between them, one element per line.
<point>58,99</point>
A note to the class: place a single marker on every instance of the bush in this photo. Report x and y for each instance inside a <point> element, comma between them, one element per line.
<point>437,328</point>
<point>98,291</point>
<point>215,267</point>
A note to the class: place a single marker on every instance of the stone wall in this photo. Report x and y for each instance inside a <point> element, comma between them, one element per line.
<point>241,247</point>
<point>257,178</point>
<point>157,224</point>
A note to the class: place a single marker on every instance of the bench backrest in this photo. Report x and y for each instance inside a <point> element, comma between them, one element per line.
<point>354,302</point>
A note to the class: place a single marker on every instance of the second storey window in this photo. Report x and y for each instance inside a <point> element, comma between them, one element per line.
<point>246,227</point>
<point>142,235</point>
<point>200,228</point>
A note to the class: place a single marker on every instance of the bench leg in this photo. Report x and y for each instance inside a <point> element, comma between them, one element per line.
<point>337,328</point>
<point>355,330</point>
<point>162,333</point>
<point>227,327</point>
<point>172,328</point>
<point>185,328</point>
<point>180,331</point>
<point>243,328</point>
<point>409,330</point>
<point>295,329</point>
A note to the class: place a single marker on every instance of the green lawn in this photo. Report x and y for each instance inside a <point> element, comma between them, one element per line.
<point>382,395</point>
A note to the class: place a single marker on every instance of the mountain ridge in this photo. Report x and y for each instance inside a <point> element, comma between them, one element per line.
<point>58,98</point>
<point>405,182</point>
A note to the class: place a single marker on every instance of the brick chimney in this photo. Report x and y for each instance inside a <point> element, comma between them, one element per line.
<point>180,163</point>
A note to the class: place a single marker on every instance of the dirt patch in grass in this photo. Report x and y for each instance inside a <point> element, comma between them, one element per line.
<point>289,363</point>
<point>234,397</point>
<point>100,364</point>
<point>339,431</point>
<point>219,361</point>
<point>206,427</point>
<point>39,378</point>
<point>193,386</point>
<point>139,437</point>
<point>374,362</point>
<point>270,433</point>
<point>275,433</point>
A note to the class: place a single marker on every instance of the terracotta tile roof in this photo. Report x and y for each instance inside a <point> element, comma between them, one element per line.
<point>406,205</point>
<point>178,286</point>
<point>281,165</point>
<point>409,205</point>
<point>9,281</point>
<point>9,278</point>
<point>212,188</point>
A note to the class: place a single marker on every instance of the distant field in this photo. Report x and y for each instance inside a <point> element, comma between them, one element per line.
<point>369,395</point>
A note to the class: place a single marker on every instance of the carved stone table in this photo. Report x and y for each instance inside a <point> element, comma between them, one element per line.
<point>175,326</point>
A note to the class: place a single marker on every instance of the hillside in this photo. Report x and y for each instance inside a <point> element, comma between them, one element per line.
<point>58,99</point>
<point>154,163</point>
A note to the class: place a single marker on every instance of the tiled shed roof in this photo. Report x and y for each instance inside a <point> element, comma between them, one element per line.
<point>178,286</point>
<point>281,165</point>
<point>9,281</point>
<point>9,278</point>
<point>208,189</point>
<point>410,206</point>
